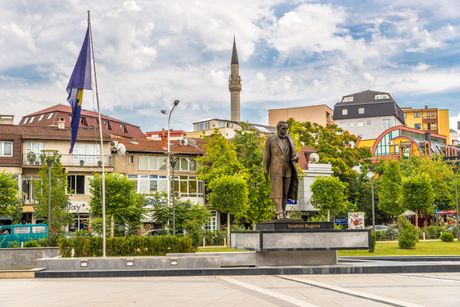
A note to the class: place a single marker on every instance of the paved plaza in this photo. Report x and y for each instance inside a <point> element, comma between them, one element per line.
<point>434,289</point>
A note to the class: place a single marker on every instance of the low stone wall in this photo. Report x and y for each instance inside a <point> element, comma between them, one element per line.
<point>24,258</point>
<point>129,263</point>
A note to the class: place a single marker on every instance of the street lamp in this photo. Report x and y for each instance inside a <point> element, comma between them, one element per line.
<point>168,168</point>
<point>173,165</point>
<point>371,175</point>
<point>455,169</point>
<point>49,159</point>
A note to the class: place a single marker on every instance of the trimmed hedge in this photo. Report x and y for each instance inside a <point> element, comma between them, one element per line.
<point>86,246</point>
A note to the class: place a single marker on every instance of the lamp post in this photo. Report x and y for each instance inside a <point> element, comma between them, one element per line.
<point>455,169</point>
<point>168,168</point>
<point>49,159</point>
<point>173,165</point>
<point>371,175</point>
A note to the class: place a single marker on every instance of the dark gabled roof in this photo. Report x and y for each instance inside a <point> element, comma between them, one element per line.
<point>234,53</point>
<point>385,105</point>
<point>365,97</point>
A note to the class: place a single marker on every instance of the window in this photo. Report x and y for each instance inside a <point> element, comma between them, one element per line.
<point>348,99</point>
<point>386,123</point>
<point>360,124</point>
<point>6,148</point>
<point>131,159</point>
<point>185,164</point>
<point>152,163</point>
<point>344,111</point>
<point>369,123</point>
<point>41,117</point>
<point>416,114</point>
<point>83,121</point>
<point>86,154</point>
<point>107,125</point>
<point>26,120</point>
<point>212,225</point>
<point>76,184</point>
<point>405,115</point>
<point>360,110</point>
<point>123,128</point>
<point>382,96</point>
<point>50,115</point>
<point>31,119</point>
<point>417,126</point>
<point>434,126</point>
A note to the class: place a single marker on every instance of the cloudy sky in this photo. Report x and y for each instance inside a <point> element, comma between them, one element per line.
<point>291,53</point>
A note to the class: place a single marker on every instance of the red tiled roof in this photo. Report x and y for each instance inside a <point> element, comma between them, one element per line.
<point>51,133</point>
<point>155,146</point>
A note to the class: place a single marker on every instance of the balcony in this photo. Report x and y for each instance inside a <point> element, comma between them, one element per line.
<point>70,160</point>
<point>431,119</point>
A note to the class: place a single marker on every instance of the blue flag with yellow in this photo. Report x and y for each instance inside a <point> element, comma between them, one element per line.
<point>80,80</point>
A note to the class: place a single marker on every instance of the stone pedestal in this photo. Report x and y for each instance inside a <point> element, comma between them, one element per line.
<point>298,243</point>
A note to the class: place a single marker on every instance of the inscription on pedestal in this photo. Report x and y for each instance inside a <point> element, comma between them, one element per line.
<point>287,225</point>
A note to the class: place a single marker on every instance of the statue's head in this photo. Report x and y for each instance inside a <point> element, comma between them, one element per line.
<point>282,127</point>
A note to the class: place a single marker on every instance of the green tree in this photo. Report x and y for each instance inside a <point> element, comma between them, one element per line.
<point>249,148</point>
<point>418,195</point>
<point>219,159</point>
<point>229,195</point>
<point>389,189</point>
<point>329,196</point>
<point>10,204</point>
<point>333,145</point>
<point>60,216</point>
<point>440,173</point>
<point>124,206</point>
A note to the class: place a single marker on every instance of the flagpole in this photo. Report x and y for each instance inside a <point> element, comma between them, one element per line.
<point>104,235</point>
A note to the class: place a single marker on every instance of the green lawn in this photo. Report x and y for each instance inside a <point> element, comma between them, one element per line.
<point>385,248</point>
<point>423,248</point>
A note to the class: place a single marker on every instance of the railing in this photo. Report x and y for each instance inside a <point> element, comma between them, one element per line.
<point>70,160</point>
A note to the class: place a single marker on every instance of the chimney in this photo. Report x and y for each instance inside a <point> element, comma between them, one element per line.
<point>164,138</point>
<point>6,119</point>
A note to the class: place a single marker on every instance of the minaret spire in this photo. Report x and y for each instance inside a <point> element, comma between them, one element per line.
<point>234,84</point>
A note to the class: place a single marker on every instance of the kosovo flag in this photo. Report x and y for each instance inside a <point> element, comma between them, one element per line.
<point>80,79</point>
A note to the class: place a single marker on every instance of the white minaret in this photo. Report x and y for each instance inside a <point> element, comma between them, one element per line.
<point>234,85</point>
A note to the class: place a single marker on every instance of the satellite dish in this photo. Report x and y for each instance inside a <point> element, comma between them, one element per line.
<point>183,141</point>
<point>314,158</point>
<point>121,149</point>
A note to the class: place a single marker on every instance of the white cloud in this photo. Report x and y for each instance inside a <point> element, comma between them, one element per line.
<point>149,53</point>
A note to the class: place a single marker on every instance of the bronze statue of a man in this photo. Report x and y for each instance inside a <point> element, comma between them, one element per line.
<point>279,162</point>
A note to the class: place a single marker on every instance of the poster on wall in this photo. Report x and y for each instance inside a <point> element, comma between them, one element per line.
<point>356,220</point>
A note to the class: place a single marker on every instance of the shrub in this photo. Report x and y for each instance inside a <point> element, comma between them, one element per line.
<point>86,246</point>
<point>447,237</point>
<point>14,244</point>
<point>433,231</point>
<point>214,237</point>
<point>407,234</point>
<point>31,244</point>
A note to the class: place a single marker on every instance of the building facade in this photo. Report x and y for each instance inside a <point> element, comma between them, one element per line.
<point>225,127</point>
<point>320,114</point>
<point>430,119</point>
<point>366,114</point>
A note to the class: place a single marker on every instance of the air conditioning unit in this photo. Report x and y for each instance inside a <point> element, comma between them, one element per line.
<point>184,141</point>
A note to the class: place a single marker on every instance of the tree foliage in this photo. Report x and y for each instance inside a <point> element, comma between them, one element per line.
<point>220,159</point>
<point>229,195</point>
<point>440,174</point>
<point>60,216</point>
<point>329,195</point>
<point>332,144</point>
<point>10,204</point>
<point>389,189</point>
<point>418,195</point>
<point>249,148</point>
<point>123,204</point>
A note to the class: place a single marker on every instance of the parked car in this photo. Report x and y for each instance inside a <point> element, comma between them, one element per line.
<point>22,233</point>
<point>155,232</point>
